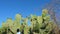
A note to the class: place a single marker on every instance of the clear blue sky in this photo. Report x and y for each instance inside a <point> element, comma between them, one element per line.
<point>9,8</point>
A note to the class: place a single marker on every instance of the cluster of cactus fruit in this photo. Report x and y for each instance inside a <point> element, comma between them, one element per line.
<point>39,24</point>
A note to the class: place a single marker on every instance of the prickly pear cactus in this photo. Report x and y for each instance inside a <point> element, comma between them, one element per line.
<point>46,25</point>
<point>39,24</point>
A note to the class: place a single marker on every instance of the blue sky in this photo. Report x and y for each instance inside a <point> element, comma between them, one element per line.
<point>9,8</point>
